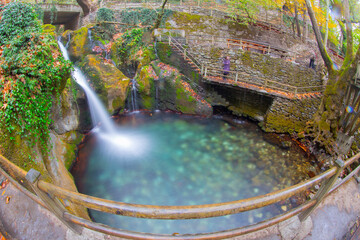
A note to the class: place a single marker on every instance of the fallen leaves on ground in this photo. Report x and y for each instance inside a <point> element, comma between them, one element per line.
<point>4,183</point>
<point>7,200</point>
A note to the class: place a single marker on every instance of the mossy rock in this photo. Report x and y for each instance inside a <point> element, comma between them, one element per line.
<point>145,87</point>
<point>49,29</point>
<point>107,81</point>
<point>24,157</point>
<point>79,43</point>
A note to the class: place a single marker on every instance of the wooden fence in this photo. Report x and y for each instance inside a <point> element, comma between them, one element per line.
<point>49,195</point>
<point>214,73</point>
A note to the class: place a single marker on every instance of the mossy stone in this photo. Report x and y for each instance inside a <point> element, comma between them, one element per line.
<point>108,82</point>
<point>79,45</point>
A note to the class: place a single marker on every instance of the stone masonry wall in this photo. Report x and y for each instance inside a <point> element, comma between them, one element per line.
<point>258,65</point>
<point>290,115</point>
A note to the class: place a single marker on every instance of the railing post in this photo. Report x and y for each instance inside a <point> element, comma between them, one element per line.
<point>202,69</point>
<point>185,53</point>
<point>160,37</point>
<point>236,77</point>
<point>205,74</point>
<point>266,81</point>
<point>53,204</point>
<point>180,2</point>
<point>241,45</point>
<point>319,196</point>
<point>198,3</point>
<point>169,38</point>
<point>296,91</point>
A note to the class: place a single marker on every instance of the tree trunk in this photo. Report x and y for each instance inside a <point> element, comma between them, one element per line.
<point>324,54</point>
<point>85,6</point>
<point>297,22</point>
<point>305,29</point>
<point>327,23</point>
<point>160,15</point>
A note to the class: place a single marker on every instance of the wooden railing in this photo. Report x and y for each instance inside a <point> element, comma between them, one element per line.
<point>48,195</point>
<point>210,72</point>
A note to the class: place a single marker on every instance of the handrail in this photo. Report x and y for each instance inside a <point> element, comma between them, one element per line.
<point>215,235</point>
<point>274,85</point>
<point>289,90</point>
<point>207,38</point>
<point>202,236</point>
<point>182,212</point>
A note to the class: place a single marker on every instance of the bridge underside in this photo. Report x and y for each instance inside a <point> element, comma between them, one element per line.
<point>242,101</point>
<point>70,20</point>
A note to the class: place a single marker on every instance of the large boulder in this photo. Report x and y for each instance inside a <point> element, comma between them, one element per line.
<point>108,82</point>
<point>162,87</point>
<point>77,43</point>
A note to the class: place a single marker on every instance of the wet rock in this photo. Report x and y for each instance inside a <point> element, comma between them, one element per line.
<point>79,45</point>
<point>107,81</point>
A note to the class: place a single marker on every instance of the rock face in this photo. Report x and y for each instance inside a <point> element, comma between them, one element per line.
<point>63,141</point>
<point>78,43</point>
<point>65,113</point>
<point>107,81</point>
<point>162,87</point>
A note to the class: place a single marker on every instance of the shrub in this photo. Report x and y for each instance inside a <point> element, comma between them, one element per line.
<point>17,19</point>
<point>31,73</point>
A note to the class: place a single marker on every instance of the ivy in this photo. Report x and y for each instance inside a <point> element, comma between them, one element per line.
<point>142,16</point>
<point>105,15</point>
<point>17,19</point>
<point>129,42</point>
<point>31,72</point>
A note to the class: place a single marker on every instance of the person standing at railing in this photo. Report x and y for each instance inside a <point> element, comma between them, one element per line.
<point>226,67</point>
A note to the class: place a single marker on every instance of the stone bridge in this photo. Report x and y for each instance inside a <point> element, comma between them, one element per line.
<point>67,15</point>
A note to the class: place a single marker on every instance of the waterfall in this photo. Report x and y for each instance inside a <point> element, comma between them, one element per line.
<point>97,110</point>
<point>157,95</point>
<point>155,50</point>
<point>89,36</point>
<point>68,42</point>
<point>133,96</point>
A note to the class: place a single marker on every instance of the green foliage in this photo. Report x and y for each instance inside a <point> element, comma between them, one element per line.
<point>129,43</point>
<point>243,10</point>
<point>32,70</point>
<point>17,19</point>
<point>105,15</point>
<point>53,13</point>
<point>143,16</point>
<point>103,29</point>
<point>38,11</point>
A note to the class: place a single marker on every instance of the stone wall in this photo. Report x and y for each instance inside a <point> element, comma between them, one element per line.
<point>290,115</point>
<point>243,102</point>
<point>258,65</point>
<point>222,29</point>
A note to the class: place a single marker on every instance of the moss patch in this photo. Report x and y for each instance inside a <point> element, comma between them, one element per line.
<point>78,47</point>
<point>107,81</point>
